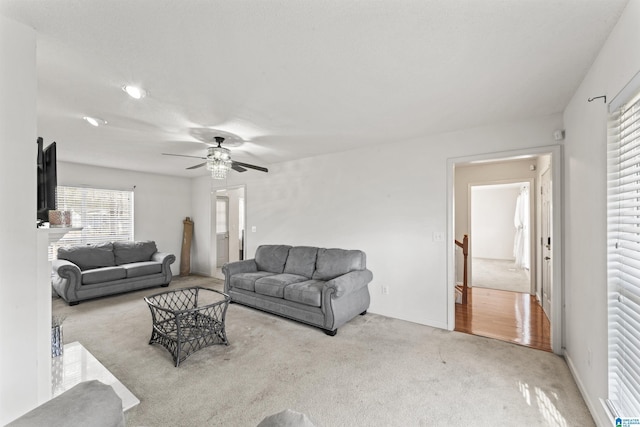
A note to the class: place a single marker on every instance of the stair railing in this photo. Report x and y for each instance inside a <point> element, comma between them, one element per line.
<point>465,252</point>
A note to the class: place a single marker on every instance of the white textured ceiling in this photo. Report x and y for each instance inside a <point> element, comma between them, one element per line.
<point>297,78</point>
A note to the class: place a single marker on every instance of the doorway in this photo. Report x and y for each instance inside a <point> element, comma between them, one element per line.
<point>500,224</point>
<point>526,306</point>
<point>229,231</point>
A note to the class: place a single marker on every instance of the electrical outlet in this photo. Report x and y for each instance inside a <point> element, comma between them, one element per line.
<point>254,229</point>
<point>438,236</point>
<point>385,290</point>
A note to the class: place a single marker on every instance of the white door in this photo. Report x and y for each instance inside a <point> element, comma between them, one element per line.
<point>222,230</point>
<point>546,241</point>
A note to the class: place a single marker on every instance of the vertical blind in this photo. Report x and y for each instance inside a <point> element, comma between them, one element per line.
<point>104,215</point>
<point>623,217</point>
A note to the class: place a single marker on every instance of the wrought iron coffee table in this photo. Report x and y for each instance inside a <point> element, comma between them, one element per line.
<point>187,320</point>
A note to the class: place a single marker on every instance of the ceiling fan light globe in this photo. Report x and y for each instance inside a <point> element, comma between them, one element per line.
<point>218,167</point>
<point>218,174</point>
<point>219,153</point>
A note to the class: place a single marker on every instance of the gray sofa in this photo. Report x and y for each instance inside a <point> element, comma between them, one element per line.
<point>321,287</point>
<point>90,271</point>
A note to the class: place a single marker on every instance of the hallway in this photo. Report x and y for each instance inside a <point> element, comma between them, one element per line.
<point>507,316</point>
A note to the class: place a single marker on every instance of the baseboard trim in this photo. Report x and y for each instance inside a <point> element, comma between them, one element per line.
<point>595,408</point>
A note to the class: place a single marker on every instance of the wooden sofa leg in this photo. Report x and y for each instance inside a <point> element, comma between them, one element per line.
<point>74,303</point>
<point>363,313</point>
<point>331,333</point>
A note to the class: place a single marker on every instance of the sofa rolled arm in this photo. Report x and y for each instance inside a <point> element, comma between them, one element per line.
<point>237,267</point>
<point>165,258</point>
<point>66,277</point>
<point>347,283</point>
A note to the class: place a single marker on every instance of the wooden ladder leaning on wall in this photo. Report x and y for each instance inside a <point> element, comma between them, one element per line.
<point>465,252</point>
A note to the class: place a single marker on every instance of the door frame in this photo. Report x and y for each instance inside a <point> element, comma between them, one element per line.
<point>532,226</point>
<point>228,232</point>
<point>541,296</point>
<point>557,296</point>
<point>212,231</point>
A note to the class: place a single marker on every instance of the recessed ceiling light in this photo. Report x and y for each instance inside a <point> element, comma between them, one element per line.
<point>93,121</point>
<point>134,91</point>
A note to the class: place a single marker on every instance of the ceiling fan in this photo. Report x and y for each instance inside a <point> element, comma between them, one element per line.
<point>218,161</point>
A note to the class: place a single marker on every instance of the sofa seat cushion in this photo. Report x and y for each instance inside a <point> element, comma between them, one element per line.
<point>128,252</point>
<point>273,286</point>
<point>105,274</point>
<point>90,256</point>
<point>272,258</point>
<point>146,268</point>
<point>247,281</point>
<point>332,263</point>
<point>301,261</point>
<point>308,293</point>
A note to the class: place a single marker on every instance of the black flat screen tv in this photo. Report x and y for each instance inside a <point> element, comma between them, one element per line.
<point>47,180</point>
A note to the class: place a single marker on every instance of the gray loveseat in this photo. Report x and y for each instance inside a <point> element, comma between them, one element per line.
<point>90,271</point>
<point>321,287</point>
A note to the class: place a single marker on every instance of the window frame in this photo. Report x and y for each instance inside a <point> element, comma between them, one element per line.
<point>623,253</point>
<point>86,211</point>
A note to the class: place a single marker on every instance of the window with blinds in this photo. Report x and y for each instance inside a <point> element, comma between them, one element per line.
<point>104,215</point>
<point>623,216</point>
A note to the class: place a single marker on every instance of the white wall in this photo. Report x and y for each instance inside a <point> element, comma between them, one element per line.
<point>343,200</point>
<point>19,362</point>
<point>492,220</point>
<point>585,208</point>
<point>161,202</point>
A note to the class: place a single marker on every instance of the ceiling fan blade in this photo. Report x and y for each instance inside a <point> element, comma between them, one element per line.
<point>237,167</point>
<point>184,155</point>
<point>197,166</point>
<point>247,165</point>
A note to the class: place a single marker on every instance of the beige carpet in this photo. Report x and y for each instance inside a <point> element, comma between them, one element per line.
<point>499,274</point>
<point>376,371</point>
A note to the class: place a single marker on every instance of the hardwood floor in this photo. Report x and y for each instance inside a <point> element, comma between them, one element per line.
<point>507,316</point>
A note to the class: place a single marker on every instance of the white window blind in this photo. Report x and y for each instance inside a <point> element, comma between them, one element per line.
<point>623,216</point>
<point>104,215</point>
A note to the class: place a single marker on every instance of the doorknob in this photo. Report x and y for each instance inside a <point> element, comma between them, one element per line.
<point>547,258</point>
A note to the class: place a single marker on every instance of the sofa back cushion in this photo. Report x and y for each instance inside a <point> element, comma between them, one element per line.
<point>301,261</point>
<point>272,258</point>
<point>128,252</point>
<point>332,263</point>
<point>87,257</point>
